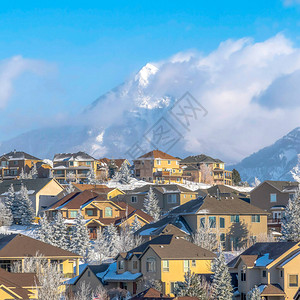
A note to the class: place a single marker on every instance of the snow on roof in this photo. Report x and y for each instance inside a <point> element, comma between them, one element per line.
<point>263,261</point>
<point>29,192</point>
<point>148,231</point>
<point>111,274</point>
<point>289,259</point>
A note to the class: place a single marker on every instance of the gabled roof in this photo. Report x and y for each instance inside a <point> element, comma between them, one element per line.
<point>161,188</point>
<point>32,185</point>
<point>157,154</point>
<point>282,186</point>
<point>82,187</point>
<point>202,158</point>
<point>213,205</point>
<point>271,290</point>
<point>17,245</point>
<point>79,156</point>
<point>18,155</point>
<point>265,253</point>
<point>152,294</point>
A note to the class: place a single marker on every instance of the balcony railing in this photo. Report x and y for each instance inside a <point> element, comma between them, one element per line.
<point>166,173</point>
<point>274,221</point>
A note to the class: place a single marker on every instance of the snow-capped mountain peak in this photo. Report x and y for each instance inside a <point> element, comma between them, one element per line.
<point>143,76</point>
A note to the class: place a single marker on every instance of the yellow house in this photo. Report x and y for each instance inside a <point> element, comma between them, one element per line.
<point>17,285</point>
<point>234,222</point>
<point>166,259</point>
<point>273,267</point>
<point>159,167</point>
<point>16,248</point>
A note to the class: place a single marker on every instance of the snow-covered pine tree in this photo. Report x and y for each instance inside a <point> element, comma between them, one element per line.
<point>22,174</point>
<point>112,239</point>
<point>45,233</point>
<point>25,211</point>
<point>60,235</point>
<point>254,294</point>
<point>290,223</point>
<point>80,240</point>
<point>135,225</point>
<point>91,177</point>
<point>151,205</point>
<point>33,172</point>
<point>127,240</point>
<point>123,175</point>
<point>6,218</point>
<point>101,247</point>
<point>205,237</point>
<point>69,188</point>
<point>10,197</point>
<point>193,286</point>
<point>221,287</point>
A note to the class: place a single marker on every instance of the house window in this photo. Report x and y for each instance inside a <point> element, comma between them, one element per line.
<point>91,212</point>
<point>202,222</point>
<point>173,287</point>
<point>15,162</point>
<point>88,163</point>
<point>121,264</point>
<point>151,264</point>
<point>169,162</point>
<point>193,263</point>
<point>281,273</point>
<point>186,266</point>
<point>134,265</point>
<point>71,163</point>
<point>255,219</point>
<point>172,198</point>
<point>108,212</point>
<point>222,239</point>
<point>178,179</point>
<point>89,273</point>
<point>222,222</point>
<point>235,219</point>
<point>293,280</point>
<point>212,222</point>
<point>243,275</point>
<point>165,266</point>
<point>264,273</point>
<point>273,197</point>
<point>73,213</point>
<point>158,162</point>
<point>243,296</point>
<point>133,199</point>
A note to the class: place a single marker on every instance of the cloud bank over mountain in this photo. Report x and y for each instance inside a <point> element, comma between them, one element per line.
<point>248,88</point>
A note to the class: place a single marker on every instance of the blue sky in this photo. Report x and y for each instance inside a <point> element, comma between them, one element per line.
<point>88,47</point>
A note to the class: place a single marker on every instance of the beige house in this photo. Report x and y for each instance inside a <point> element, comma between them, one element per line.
<point>41,191</point>
<point>168,196</point>
<point>273,267</point>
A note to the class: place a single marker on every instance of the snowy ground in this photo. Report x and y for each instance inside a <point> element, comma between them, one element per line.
<point>131,186</point>
<point>30,231</point>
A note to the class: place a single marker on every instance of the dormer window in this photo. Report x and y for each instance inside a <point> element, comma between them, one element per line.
<point>108,211</point>
<point>151,264</point>
<point>121,264</point>
<point>134,265</point>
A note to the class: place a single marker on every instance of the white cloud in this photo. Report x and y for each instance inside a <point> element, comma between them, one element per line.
<point>11,69</point>
<point>291,2</point>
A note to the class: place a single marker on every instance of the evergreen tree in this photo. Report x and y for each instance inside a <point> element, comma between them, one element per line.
<point>60,232</point>
<point>33,172</point>
<point>254,294</point>
<point>69,188</point>
<point>22,174</point>
<point>45,231</point>
<point>192,286</point>
<point>124,175</point>
<point>290,223</point>
<point>136,225</point>
<point>25,210</point>
<point>236,178</point>
<point>91,177</point>
<point>205,237</point>
<point>221,280</point>
<point>151,205</point>
<point>6,218</point>
<point>80,240</point>
<point>112,239</point>
<point>10,197</point>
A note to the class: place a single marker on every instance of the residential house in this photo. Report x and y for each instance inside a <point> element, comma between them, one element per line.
<point>158,167</point>
<point>12,164</point>
<point>165,259</point>
<point>273,267</point>
<point>75,167</point>
<point>168,195</point>
<point>98,209</point>
<point>273,196</point>
<point>16,247</point>
<point>236,223</point>
<point>212,170</point>
<point>114,165</point>
<point>18,285</point>
<point>42,192</point>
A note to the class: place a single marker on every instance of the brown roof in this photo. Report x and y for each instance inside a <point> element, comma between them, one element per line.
<point>171,229</point>
<point>272,290</point>
<point>151,293</point>
<point>249,260</point>
<point>158,154</point>
<point>17,245</point>
<point>83,187</point>
<point>179,248</point>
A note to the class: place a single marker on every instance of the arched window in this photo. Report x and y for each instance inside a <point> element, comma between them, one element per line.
<point>108,212</point>
<point>151,264</point>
